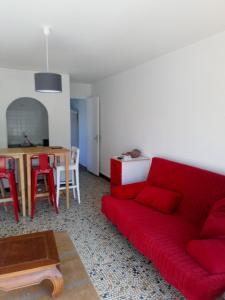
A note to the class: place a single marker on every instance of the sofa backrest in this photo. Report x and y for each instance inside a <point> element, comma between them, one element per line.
<point>199,188</point>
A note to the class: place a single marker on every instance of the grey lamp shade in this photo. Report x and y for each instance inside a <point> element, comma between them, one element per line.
<point>48,82</point>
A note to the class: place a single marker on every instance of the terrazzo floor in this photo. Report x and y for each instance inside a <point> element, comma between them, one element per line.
<point>115,267</point>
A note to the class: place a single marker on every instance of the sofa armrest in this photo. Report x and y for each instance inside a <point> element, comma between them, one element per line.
<point>128,191</point>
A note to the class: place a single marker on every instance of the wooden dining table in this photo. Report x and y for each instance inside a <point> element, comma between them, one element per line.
<point>23,155</point>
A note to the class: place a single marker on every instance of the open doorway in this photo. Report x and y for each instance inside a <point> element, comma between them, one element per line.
<point>78,113</point>
<point>74,114</point>
<point>85,131</point>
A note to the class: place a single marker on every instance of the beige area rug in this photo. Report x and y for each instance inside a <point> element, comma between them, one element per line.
<point>77,285</point>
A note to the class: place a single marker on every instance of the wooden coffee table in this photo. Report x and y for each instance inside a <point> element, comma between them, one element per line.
<point>28,259</point>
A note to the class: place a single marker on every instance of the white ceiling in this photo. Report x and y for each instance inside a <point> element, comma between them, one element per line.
<point>92,39</point>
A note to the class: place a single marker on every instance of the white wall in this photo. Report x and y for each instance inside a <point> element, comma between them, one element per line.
<point>173,106</point>
<point>80,90</point>
<point>16,84</point>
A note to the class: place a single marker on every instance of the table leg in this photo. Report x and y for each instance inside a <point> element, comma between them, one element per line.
<point>2,189</point>
<point>29,183</point>
<point>66,159</point>
<point>19,182</point>
<point>22,184</point>
<point>32,277</point>
<point>58,160</point>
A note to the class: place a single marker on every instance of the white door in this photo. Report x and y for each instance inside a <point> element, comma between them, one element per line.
<point>93,135</point>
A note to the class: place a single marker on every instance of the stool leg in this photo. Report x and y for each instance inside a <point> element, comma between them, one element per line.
<point>57,186</point>
<point>13,191</point>
<point>52,185</point>
<point>73,183</point>
<point>77,184</point>
<point>49,188</point>
<point>16,194</point>
<point>33,192</point>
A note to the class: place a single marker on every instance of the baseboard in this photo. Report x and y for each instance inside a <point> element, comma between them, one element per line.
<point>82,167</point>
<point>104,176</point>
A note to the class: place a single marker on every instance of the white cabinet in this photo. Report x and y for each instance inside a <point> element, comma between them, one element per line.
<point>130,171</point>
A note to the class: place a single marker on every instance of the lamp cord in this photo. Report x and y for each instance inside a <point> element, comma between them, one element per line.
<point>46,47</point>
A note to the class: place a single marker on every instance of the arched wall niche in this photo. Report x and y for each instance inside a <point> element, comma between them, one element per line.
<point>27,116</point>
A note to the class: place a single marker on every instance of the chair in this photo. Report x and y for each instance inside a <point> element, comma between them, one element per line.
<point>74,170</point>
<point>43,167</point>
<point>7,171</point>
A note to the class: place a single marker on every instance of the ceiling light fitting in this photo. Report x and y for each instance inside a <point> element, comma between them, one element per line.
<point>46,82</point>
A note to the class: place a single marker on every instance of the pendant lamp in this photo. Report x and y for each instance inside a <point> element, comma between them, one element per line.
<point>46,82</point>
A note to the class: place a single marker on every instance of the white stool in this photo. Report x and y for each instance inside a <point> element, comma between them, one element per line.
<point>74,182</point>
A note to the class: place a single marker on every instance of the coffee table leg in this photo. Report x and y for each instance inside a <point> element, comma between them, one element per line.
<point>10,283</point>
<point>57,281</point>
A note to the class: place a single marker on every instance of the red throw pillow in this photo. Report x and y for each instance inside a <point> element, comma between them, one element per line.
<point>210,254</point>
<point>161,199</point>
<point>215,223</point>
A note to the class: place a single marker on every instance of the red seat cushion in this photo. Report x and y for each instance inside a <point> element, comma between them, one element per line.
<point>130,216</point>
<point>214,225</point>
<point>161,199</point>
<point>210,254</point>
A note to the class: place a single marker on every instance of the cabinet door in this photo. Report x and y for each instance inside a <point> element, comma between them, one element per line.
<point>135,171</point>
<point>116,172</point>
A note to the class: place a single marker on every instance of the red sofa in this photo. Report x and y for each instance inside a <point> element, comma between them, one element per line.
<point>162,238</point>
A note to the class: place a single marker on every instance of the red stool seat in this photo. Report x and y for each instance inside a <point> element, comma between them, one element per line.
<point>7,171</point>
<point>43,168</point>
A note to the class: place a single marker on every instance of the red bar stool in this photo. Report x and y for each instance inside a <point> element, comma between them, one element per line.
<point>43,168</point>
<point>7,171</point>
